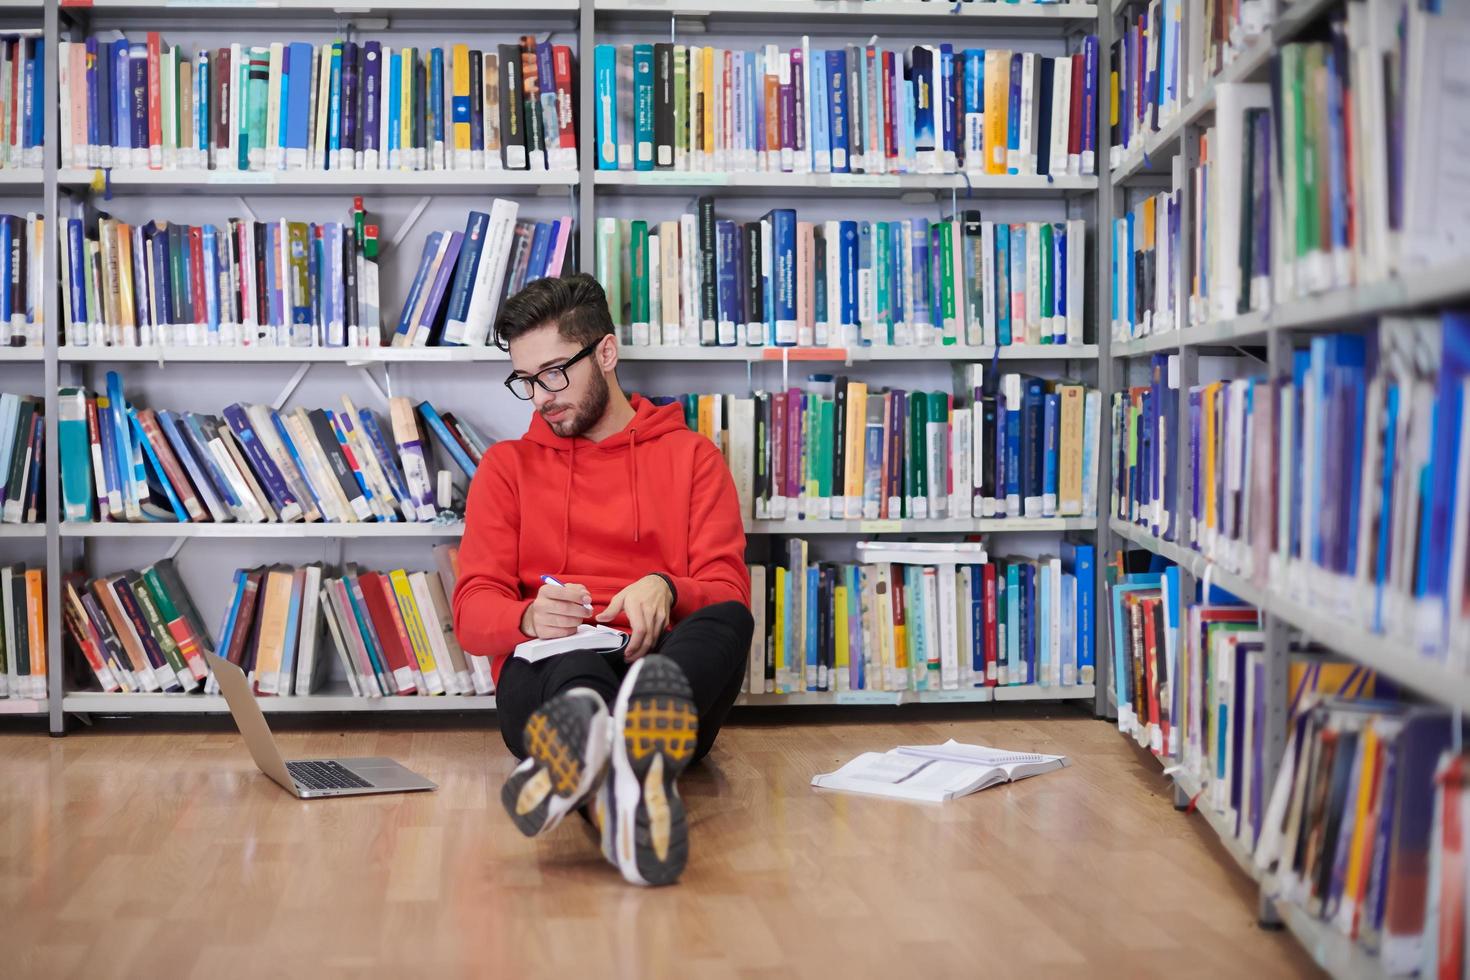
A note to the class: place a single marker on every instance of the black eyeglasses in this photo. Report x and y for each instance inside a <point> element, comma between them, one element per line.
<point>553,378</point>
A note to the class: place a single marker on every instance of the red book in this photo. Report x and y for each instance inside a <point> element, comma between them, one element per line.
<point>1074,131</point>
<point>561,67</point>
<point>196,272</point>
<point>900,620</point>
<point>991,626</point>
<point>172,468</point>
<point>245,618</point>
<point>890,145</point>
<point>155,111</point>
<point>1149,610</point>
<point>400,662</point>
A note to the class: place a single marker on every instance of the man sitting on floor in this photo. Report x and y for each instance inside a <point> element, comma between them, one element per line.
<point>608,510</point>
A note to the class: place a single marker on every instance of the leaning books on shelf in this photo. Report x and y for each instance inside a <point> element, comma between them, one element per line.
<point>272,283</point>
<point>22,81</point>
<point>462,277</point>
<point>142,104</point>
<point>703,280</point>
<point>1146,266</point>
<point>1145,434</point>
<point>254,464</point>
<point>1022,447</point>
<point>848,109</point>
<point>1444,941</point>
<point>137,630</point>
<point>22,451</point>
<point>1344,485</point>
<point>1146,86</point>
<point>22,295</point>
<point>968,620</point>
<point>22,632</point>
<point>392,632</point>
<point>1346,831</point>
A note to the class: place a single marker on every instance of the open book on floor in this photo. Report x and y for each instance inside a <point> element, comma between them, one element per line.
<point>935,773</point>
<point>588,637</point>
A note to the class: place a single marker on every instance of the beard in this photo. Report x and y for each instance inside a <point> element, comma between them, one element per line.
<point>580,417</point>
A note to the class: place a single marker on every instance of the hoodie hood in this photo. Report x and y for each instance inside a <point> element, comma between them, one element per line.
<point>650,422</point>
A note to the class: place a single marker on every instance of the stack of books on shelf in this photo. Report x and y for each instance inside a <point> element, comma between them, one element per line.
<point>1146,266</point>
<point>137,630</point>
<point>1220,34</point>
<point>22,452</point>
<point>22,84</point>
<point>462,277</point>
<point>22,293</point>
<point>393,632</point>
<point>926,109</point>
<point>922,617</point>
<point>1022,447</point>
<point>1146,82</point>
<point>704,280</point>
<point>276,283</point>
<point>1145,440</point>
<point>1344,486</point>
<point>257,464</point>
<point>1346,833</point>
<point>22,633</point>
<point>142,104</point>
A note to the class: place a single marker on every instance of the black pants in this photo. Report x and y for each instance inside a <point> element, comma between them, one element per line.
<point>711,647</point>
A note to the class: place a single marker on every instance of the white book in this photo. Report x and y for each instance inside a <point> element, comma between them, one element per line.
<point>329,613</point>
<point>168,67</point>
<point>935,773</point>
<point>987,280</point>
<point>1052,567</point>
<point>599,638</point>
<point>947,596</point>
<point>1025,161</point>
<point>689,278</point>
<point>741,452</point>
<point>955,330</point>
<point>1034,334</point>
<point>1227,180</point>
<point>801,160</point>
<point>655,288</point>
<point>489,277</point>
<point>274,158</point>
<point>1069,630</point>
<point>321,120</point>
<point>962,439</point>
<point>783,70</point>
<point>755,681</point>
<point>1061,103</point>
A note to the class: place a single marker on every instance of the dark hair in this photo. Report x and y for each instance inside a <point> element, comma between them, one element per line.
<point>575,303</point>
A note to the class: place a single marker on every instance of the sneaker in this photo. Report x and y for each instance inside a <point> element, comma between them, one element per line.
<point>567,738</point>
<point>655,725</point>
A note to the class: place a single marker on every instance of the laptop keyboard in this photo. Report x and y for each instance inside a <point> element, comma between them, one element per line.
<point>325,775</point>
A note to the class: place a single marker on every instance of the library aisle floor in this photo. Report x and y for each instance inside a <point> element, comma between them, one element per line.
<point>167,854</point>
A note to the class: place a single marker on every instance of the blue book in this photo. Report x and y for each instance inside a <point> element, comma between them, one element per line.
<point>813,589</point>
<point>1013,118</point>
<point>1089,102</point>
<point>926,91</point>
<point>977,624</point>
<point>210,240</point>
<point>1444,498</point>
<point>93,108</point>
<point>386,457</point>
<point>1044,599</point>
<point>419,284</point>
<point>351,95</point>
<point>201,106</point>
<point>372,87</point>
<point>783,274</point>
<point>1385,492</point>
<point>192,431</point>
<point>866,240</point>
<point>642,107</point>
<point>199,474</point>
<point>1059,281</point>
<point>1014,478</point>
<point>121,98</point>
<point>446,439</point>
<point>138,86</point>
<point>819,111</point>
<point>837,109</point>
<point>847,245</point>
<point>898,290</point>
<point>232,614</point>
<point>919,281</point>
<point>605,74</point>
<point>288,651</point>
<point>395,95</point>
<point>469,261</point>
<point>298,98</point>
<point>1012,653</point>
<point>436,95</point>
<point>106,80</point>
<point>727,280</point>
<point>1077,558</point>
<point>161,478</point>
<point>284,435</point>
<point>334,103</point>
<point>541,238</point>
<point>973,144</point>
<point>1052,411</point>
<point>946,103</point>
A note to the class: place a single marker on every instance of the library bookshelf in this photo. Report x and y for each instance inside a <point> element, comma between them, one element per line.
<point>1265,338</point>
<point>585,193</point>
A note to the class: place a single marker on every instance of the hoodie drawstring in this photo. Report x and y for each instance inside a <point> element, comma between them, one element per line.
<point>633,476</point>
<point>566,520</point>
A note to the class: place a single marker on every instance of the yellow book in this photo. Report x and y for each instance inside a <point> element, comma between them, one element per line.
<point>1113,99</point>
<point>1148,223</point>
<point>710,81</point>
<point>274,609</point>
<point>407,152</point>
<point>841,654</point>
<point>460,107</point>
<point>1362,831</point>
<point>857,427</point>
<point>413,623</point>
<point>901,605</point>
<point>1207,410</point>
<point>997,99</point>
<point>125,278</point>
<point>36,627</point>
<point>780,630</point>
<point>706,417</point>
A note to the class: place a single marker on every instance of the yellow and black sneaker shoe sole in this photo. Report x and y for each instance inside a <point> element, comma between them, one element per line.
<point>556,740</point>
<point>660,730</point>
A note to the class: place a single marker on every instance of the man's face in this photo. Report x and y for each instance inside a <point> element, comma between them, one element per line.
<point>573,410</point>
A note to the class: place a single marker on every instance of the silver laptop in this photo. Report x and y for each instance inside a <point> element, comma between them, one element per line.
<point>306,778</point>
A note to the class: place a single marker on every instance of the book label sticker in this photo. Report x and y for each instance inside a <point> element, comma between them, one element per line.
<point>868,697</point>
<point>865,180</point>
<point>978,694</point>
<point>880,527</point>
<point>682,178</point>
<point>241,177</point>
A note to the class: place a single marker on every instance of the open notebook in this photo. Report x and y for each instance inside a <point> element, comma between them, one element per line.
<point>935,773</point>
<point>588,637</point>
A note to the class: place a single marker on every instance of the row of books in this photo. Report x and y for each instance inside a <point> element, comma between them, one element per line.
<point>256,464</point>
<point>284,283</point>
<point>704,280</point>
<point>921,617</point>
<point>22,452</point>
<point>1146,265</point>
<point>22,291</point>
<point>22,632</point>
<point>462,277</point>
<point>852,109</point>
<point>22,77</point>
<point>340,105</point>
<point>1344,484</point>
<point>137,630</point>
<point>841,450</point>
<point>1346,829</point>
<point>1146,83</point>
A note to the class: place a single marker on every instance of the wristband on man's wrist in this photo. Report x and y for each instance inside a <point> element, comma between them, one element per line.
<point>673,592</point>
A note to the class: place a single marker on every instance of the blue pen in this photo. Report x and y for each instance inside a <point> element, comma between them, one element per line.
<point>549,580</point>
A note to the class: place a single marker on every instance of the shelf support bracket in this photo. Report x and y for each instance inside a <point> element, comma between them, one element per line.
<point>244,206</point>
<point>410,221</point>
<point>176,547</point>
<point>290,386</point>
<point>372,382</point>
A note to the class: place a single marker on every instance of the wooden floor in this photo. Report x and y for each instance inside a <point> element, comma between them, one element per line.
<point>169,855</point>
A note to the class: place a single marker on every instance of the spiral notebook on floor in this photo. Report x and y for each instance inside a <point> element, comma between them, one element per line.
<point>588,637</point>
<point>936,773</point>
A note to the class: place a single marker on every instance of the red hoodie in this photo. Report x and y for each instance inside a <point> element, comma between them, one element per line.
<point>655,497</point>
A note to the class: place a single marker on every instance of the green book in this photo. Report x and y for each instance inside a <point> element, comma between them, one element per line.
<point>937,449</point>
<point>160,632</point>
<point>681,103</point>
<point>824,448</point>
<point>638,253</point>
<point>884,302</point>
<point>609,266</point>
<point>1048,282</point>
<point>946,281</point>
<point>806,430</point>
<point>917,454</point>
<point>168,613</point>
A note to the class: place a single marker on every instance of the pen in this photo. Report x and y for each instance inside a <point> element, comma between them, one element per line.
<point>549,580</point>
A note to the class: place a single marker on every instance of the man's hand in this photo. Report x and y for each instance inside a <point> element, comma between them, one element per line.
<point>556,611</point>
<point>646,603</point>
